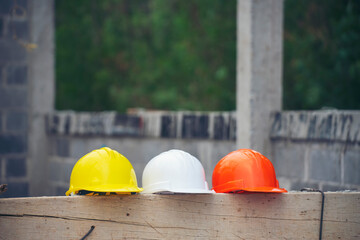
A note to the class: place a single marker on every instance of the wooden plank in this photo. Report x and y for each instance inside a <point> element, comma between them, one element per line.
<point>293,215</point>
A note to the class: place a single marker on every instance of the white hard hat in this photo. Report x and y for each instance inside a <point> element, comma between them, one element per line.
<point>174,171</point>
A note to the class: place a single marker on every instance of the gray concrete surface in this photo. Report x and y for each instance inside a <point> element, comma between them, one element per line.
<point>317,148</point>
<point>14,96</point>
<point>42,87</point>
<point>259,70</point>
<point>328,164</point>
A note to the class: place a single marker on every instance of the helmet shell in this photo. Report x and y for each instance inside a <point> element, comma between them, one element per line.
<point>174,171</point>
<point>103,170</point>
<point>245,170</point>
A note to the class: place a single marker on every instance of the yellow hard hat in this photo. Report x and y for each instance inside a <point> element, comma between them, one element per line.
<point>103,170</point>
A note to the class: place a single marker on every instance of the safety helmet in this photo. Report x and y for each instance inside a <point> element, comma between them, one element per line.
<point>245,170</point>
<point>103,170</point>
<point>174,171</point>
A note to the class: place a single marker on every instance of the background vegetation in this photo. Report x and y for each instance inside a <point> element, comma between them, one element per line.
<point>172,54</point>
<point>322,54</point>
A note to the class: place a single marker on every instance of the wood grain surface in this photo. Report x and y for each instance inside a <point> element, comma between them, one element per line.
<point>294,215</point>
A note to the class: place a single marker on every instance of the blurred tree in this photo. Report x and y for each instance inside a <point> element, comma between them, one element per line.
<point>164,54</point>
<point>322,54</point>
<point>172,54</point>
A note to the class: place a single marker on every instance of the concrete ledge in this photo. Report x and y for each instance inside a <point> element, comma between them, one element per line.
<point>164,124</point>
<point>293,215</point>
<point>343,126</point>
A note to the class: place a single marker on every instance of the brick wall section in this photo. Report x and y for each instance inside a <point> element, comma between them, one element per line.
<point>319,149</point>
<point>14,85</point>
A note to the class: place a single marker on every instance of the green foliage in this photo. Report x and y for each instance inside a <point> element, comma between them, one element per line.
<point>173,54</point>
<point>164,54</point>
<point>322,54</point>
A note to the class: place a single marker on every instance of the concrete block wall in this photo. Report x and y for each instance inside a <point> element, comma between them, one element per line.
<point>26,93</point>
<point>14,104</point>
<point>163,124</point>
<point>139,136</point>
<point>318,149</point>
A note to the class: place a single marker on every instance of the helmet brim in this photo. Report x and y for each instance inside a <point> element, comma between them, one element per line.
<point>106,189</point>
<point>238,186</point>
<point>178,190</point>
<point>255,189</point>
<point>265,190</point>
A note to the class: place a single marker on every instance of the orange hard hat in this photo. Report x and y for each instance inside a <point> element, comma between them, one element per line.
<point>245,170</point>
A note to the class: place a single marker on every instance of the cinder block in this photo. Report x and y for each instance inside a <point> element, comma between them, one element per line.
<point>195,126</point>
<point>1,74</point>
<point>16,189</point>
<point>16,167</point>
<point>1,121</point>
<point>60,171</point>
<point>16,75</point>
<point>1,26</point>
<point>66,173</point>
<point>352,167</point>
<point>289,160</point>
<point>11,51</point>
<point>221,128</point>
<point>279,125</point>
<point>325,165</point>
<point>12,97</point>
<point>203,126</point>
<point>62,147</point>
<point>55,171</point>
<point>78,148</point>
<point>23,4</point>
<point>19,29</point>
<point>5,6</point>
<point>52,123</point>
<point>124,124</point>
<point>127,120</point>
<point>233,126</point>
<point>1,174</point>
<point>188,126</point>
<point>16,121</point>
<point>315,125</point>
<point>168,126</point>
<point>11,143</point>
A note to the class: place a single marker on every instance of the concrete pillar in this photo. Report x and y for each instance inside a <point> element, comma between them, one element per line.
<point>259,70</point>
<point>41,92</point>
